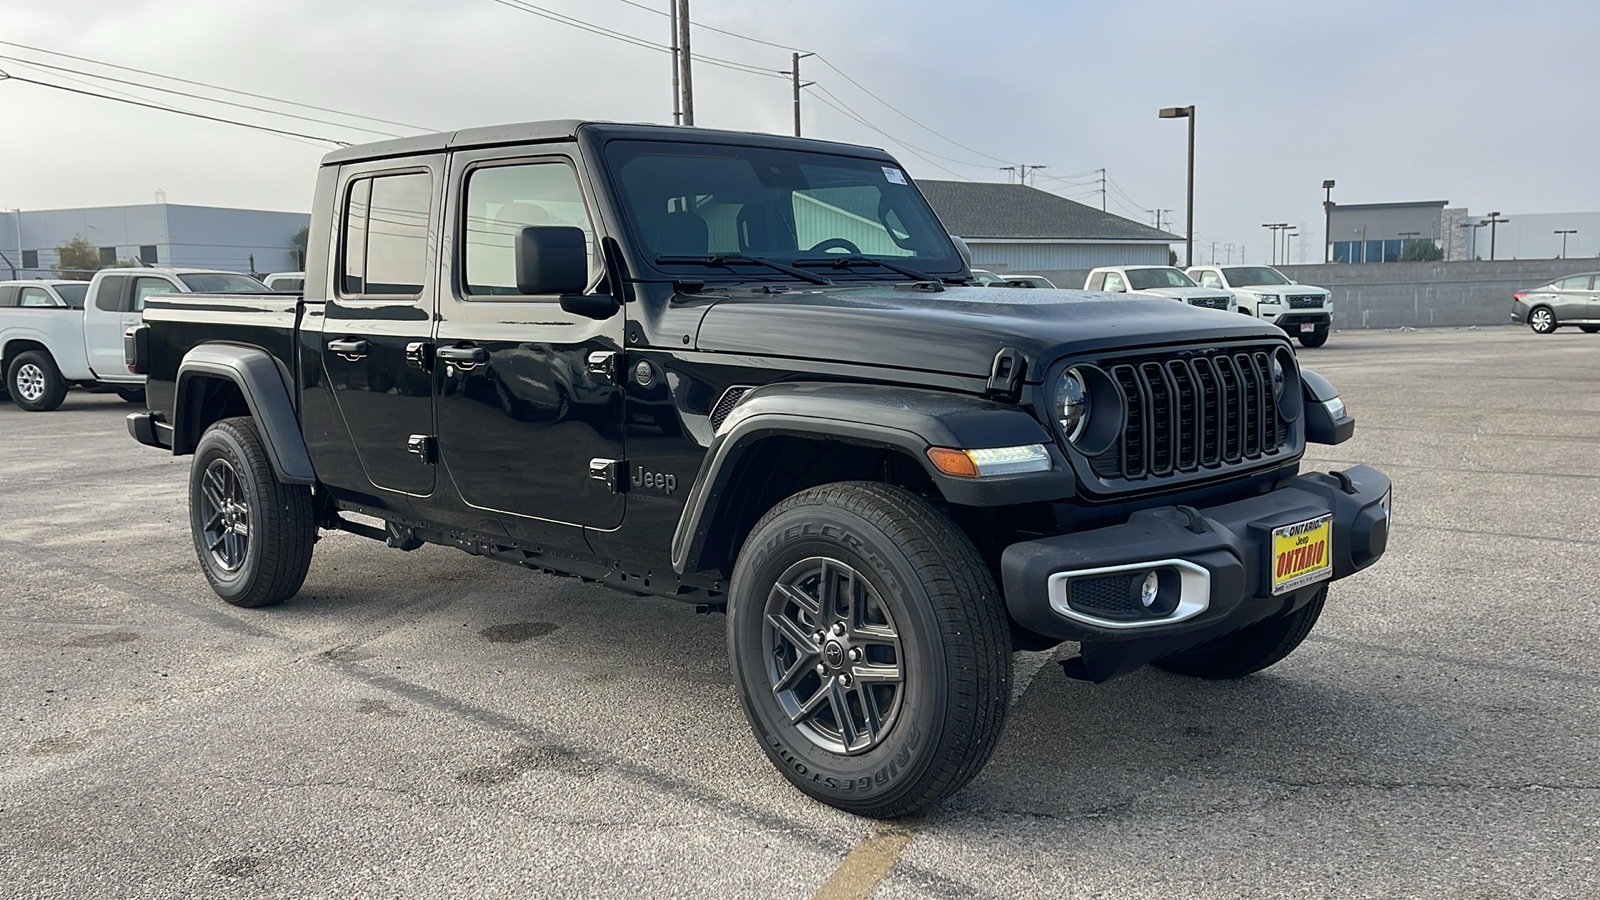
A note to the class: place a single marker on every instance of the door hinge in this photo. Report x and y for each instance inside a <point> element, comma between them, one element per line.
<point>613,473</point>
<point>605,364</point>
<point>1005,375</point>
<point>424,446</point>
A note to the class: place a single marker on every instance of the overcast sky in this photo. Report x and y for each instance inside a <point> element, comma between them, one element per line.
<point>1489,105</point>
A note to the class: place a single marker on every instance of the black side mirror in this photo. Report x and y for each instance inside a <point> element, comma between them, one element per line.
<point>551,259</point>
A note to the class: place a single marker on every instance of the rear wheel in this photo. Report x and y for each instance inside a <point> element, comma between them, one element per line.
<point>131,395</point>
<point>870,648</point>
<point>1249,649</point>
<point>252,533</point>
<point>1589,329</point>
<point>1542,320</point>
<point>34,382</point>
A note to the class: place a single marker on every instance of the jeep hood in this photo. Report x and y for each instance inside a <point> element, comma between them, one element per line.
<point>957,331</point>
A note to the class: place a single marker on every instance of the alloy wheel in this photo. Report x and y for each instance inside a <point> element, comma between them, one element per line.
<point>833,656</point>
<point>29,382</point>
<point>225,509</point>
<point>1543,320</point>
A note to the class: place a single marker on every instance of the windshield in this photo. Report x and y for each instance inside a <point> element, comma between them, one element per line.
<point>74,293</point>
<point>1145,279</point>
<point>1244,276</point>
<point>692,200</point>
<point>221,283</point>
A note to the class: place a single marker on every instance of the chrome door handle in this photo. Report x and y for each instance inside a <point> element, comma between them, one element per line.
<point>349,349</point>
<point>465,357</point>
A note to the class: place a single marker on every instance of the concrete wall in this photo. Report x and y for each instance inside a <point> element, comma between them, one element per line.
<point>1389,295</point>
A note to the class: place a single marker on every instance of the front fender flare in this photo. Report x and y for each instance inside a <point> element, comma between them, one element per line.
<point>906,419</point>
<point>261,382</point>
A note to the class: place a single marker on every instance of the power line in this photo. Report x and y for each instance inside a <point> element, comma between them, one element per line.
<point>857,118</point>
<point>702,25</point>
<point>214,86</point>
<point>6,76</point>
<point>602,31</point>
<point>153,87</point>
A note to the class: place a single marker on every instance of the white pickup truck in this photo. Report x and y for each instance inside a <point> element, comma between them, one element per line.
<point>1158,281</point>
<point>1303,311</point>
<point>57,334</point>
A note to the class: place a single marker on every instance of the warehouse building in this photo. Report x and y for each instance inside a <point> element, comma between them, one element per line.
<point>164,234</point>
<point>1021,229</point>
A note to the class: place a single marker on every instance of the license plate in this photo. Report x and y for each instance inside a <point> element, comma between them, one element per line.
<point>1307,327</point>
<point>1301,554</point>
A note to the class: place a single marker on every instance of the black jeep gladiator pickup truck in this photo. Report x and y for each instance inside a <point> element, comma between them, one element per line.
<point>756,374</point>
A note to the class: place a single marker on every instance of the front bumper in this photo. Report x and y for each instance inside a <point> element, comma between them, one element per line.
<point>148,429</point>
<point>1290,320</point>
<point>1230,544</point>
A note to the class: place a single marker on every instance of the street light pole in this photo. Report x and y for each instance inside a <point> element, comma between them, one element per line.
<point>1288,236</point>
<point>1564,232</point>
<point>1186,112</point>
<point>1493,220</point>
<point>1327,221</point>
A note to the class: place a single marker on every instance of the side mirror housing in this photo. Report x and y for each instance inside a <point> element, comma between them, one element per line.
<point>551,259</point>
<point>963,249</point>
<point>1327,420</point>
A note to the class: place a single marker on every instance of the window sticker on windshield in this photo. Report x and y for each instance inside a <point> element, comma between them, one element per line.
<point>894,175</point>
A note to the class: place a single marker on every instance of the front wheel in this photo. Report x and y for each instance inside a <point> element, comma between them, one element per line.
<point>1250,649</point>
<point>252,533</point>
<point>34,382</point>
<point>1589,329</point>
<point>870,648</point>
<point>1542,320</point>
<point>1314,338</point>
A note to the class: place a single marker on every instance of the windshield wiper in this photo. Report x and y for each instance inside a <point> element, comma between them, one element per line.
<point>842,262</point>
<point>729,260</point>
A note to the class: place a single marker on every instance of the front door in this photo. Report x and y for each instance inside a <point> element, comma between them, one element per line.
<point>528,393</point>
<point>379,317</point>
<point>118,306</point>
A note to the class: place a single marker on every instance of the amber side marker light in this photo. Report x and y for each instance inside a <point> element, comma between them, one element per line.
<point>990,461</point>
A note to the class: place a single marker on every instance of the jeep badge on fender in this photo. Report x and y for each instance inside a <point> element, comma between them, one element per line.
<point>891,477</point>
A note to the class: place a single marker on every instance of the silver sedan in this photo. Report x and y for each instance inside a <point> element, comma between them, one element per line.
<point>1569,300</point>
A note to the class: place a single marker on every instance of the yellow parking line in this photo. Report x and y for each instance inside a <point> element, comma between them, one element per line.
<point>866,864</point>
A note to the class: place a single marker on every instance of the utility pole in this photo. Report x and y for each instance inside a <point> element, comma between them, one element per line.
<point>1327,221</point>
<point>685,62</point>
<point>794,70</point>
<point>1102,190</point>
<point>1276,227</point>
<point>1021,170</point>
<point>677,63</point>
<point>1564,232</point>
<point>1493,220</point>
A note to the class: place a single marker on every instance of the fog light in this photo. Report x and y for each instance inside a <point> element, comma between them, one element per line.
<point>1150,590</point>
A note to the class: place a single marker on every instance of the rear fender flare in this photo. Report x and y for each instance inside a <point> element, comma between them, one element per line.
<point>261,382</point>
<point>909,420</point>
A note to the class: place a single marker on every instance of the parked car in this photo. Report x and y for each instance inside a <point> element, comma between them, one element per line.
<point>886,476</point>
<point>1025,281</point>
<point>1302,311</point>
<point>285,281</point>
<point>984,277</point>
<point>58,334</point>
<point>1158,281</point>
<point>1569,300</point>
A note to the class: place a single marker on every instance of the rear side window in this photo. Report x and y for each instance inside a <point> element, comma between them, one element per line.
<point>1096,281</point>
<point>8,295</point>
<point>108,296</point>
<point>37,298</point>
<point>1574,283</point>
<point>385,239</point>
<point>144,287</point>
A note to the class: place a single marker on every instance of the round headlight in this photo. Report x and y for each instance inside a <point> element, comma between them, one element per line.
<point>1072,404</point>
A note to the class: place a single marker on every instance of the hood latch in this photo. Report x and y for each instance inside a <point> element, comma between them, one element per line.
<point>1005,376</point>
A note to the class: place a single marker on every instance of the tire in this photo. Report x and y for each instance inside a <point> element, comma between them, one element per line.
<point>1589,329</point>
<point>925,608</point>
<point>1314,339</point>
<point>34,382</point>
<point>1542,320</point>
<point>232,485</point>
<point>1250,649</point>
<point>131,395</point>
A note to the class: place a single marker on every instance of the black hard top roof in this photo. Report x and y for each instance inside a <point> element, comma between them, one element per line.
<point>566,129</point>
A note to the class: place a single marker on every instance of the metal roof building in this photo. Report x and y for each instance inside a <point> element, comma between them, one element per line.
<point>167,234</point>
<point>1016,228</point>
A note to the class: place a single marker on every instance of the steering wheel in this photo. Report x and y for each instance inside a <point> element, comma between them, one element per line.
<point>836,244</point>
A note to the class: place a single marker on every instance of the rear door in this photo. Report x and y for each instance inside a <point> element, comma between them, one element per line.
<point>1572,298</point>
<point>528,393</point>
<point>379,317</point>
<point>104,321</point>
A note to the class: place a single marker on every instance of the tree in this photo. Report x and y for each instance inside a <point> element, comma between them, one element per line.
<point>1421,251</point>
<point>1172,257</point>
<point>298,242</point>
<point>78,259</point>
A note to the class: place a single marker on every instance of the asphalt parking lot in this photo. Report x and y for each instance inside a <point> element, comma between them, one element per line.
<point>430,724</point>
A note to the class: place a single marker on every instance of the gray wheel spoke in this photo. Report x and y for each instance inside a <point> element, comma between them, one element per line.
<point>872,716</point>
<point>840,702</point>
<point>217,544</point>
<point>806,709</point>
<point>876,673</point>
<point>794,635</point>
<point>801,599</point>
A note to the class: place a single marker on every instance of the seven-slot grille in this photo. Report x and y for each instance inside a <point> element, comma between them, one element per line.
<point>1305,302</point>
<point>1210,302</point>
<point>1186,413</point>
